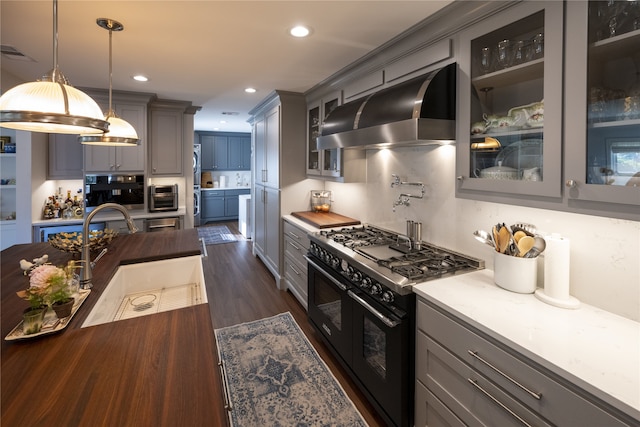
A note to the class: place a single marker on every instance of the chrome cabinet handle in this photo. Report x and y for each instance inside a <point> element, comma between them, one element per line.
<point>532,393</point>
<point>389,322</point>
<point>204,248</point>
<point>296,247</point>
<point>497,402</point>
<point>571,183</point>
<point>294,270</point>
<point>294,235</point>
<point>342,286</point>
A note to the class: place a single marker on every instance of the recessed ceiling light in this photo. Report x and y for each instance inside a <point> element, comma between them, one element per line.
<point>250,90</point>
<point>300,31</point>
<point>223,121</point>
<point>140,78</point>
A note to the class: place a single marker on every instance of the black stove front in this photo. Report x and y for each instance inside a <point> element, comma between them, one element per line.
<point>361,302</point>
<point>373,340</point>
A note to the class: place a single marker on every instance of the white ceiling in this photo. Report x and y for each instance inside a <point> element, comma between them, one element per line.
<point>203,51</point>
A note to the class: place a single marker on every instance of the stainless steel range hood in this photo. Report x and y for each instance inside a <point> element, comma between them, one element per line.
<point>420,111</point>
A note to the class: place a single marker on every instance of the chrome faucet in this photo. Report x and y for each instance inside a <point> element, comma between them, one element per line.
<point>85,281</point>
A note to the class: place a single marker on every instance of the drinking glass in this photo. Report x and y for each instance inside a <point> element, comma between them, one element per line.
<point>537,47</point>
<point>485,59</point>
<point>520,54</point>
<point>504,53</point>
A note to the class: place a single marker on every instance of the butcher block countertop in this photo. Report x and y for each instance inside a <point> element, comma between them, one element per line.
<point>325,219</point>
<point>151,370</point>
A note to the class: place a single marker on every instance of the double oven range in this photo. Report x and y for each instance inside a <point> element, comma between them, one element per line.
<point>362,304</point>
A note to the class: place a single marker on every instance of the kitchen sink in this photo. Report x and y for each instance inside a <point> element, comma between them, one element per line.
<point>148,288</point>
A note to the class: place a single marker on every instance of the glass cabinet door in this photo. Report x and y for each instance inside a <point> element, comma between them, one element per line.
<point>603,102</point>
<point>331,159</point>
<point>322,162</point>
<point>313,132</point>
<point>509,122</point>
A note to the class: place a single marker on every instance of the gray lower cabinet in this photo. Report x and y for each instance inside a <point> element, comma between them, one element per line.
<point>466,378</point>
<point>220,205</point>
<point>296,245</point>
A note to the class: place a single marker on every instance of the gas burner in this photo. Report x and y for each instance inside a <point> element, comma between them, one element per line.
<point>387,261</point>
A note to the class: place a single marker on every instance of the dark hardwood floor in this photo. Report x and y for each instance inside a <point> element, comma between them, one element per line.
<point>241,289</point>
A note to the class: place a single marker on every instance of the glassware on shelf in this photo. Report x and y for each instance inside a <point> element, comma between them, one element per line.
<point>537,46</point>
<point>486,59</point>
<point>503,55</point>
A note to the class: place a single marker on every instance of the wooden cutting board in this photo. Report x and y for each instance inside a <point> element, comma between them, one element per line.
<point>325,219</point>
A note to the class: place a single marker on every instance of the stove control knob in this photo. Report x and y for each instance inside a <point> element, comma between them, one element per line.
<point>349,270</point>
<point>387,296</point>
<point>344,265</point>
<point>376,289</point>
<point>366,283</point>
<point>335,262</point>
<point>356,277</point>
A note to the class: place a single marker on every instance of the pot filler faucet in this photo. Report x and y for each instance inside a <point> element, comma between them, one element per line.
<point>403,198</point>
<point>85,281</point>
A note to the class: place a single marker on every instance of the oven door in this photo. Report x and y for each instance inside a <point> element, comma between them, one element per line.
<point>330,307</point>
<point>381,355</point>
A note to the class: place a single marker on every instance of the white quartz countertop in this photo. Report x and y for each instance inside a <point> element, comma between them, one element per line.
<point>110,215</point>
<point>597,350</point>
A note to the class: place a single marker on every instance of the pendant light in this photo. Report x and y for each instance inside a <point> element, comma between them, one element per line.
<point>120,133</point>
<point>51,105</point>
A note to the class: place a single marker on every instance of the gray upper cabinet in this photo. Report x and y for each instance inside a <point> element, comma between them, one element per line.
<point>225,151</point>
<point>121,159</point>
<point>65,157</point>
<point>168,121</point>
<point>510,105</point>
<point>129,106</point>
<point>602,130</point>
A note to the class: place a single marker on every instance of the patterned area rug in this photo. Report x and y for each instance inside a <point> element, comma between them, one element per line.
<point>274,377</point>
<point>214,234</point>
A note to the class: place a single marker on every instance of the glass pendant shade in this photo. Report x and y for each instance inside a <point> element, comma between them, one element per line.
<point>51,105</point>
<point>120,133</point>
<point>40,107</point>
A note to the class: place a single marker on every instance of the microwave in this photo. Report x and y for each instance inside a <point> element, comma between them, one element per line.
<point>163,198</point>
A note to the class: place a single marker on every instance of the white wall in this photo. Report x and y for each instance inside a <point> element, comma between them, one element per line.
<point>605,252</point>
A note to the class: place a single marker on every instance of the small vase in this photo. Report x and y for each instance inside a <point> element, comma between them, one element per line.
<point>63,308</point>
<point>32,319</point>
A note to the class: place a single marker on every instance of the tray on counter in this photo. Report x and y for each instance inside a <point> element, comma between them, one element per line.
<point>51,323</point>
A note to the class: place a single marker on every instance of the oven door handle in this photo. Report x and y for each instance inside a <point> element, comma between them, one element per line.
<point>333,280</point>
<point>387,321</point>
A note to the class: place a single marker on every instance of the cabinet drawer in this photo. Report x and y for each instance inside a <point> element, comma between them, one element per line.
<point>236,192</point>
<point>430,412</point>
<point>296,280</point>
<point>296,234</point>
<point>471,396</point>
<point>212,193</point>
<point>514,373</point>
<point>295,250</point>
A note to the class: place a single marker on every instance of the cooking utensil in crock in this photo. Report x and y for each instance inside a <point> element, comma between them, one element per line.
<point>538,247</point>
<point>484,237</point>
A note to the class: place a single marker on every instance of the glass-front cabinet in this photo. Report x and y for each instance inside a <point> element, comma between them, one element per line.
<point>322,162</point>
<point>510,103</point>
<point>602,129</point>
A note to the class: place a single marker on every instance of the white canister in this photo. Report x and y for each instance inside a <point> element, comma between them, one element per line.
<point>223,181</point>
<point>515,274</point>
